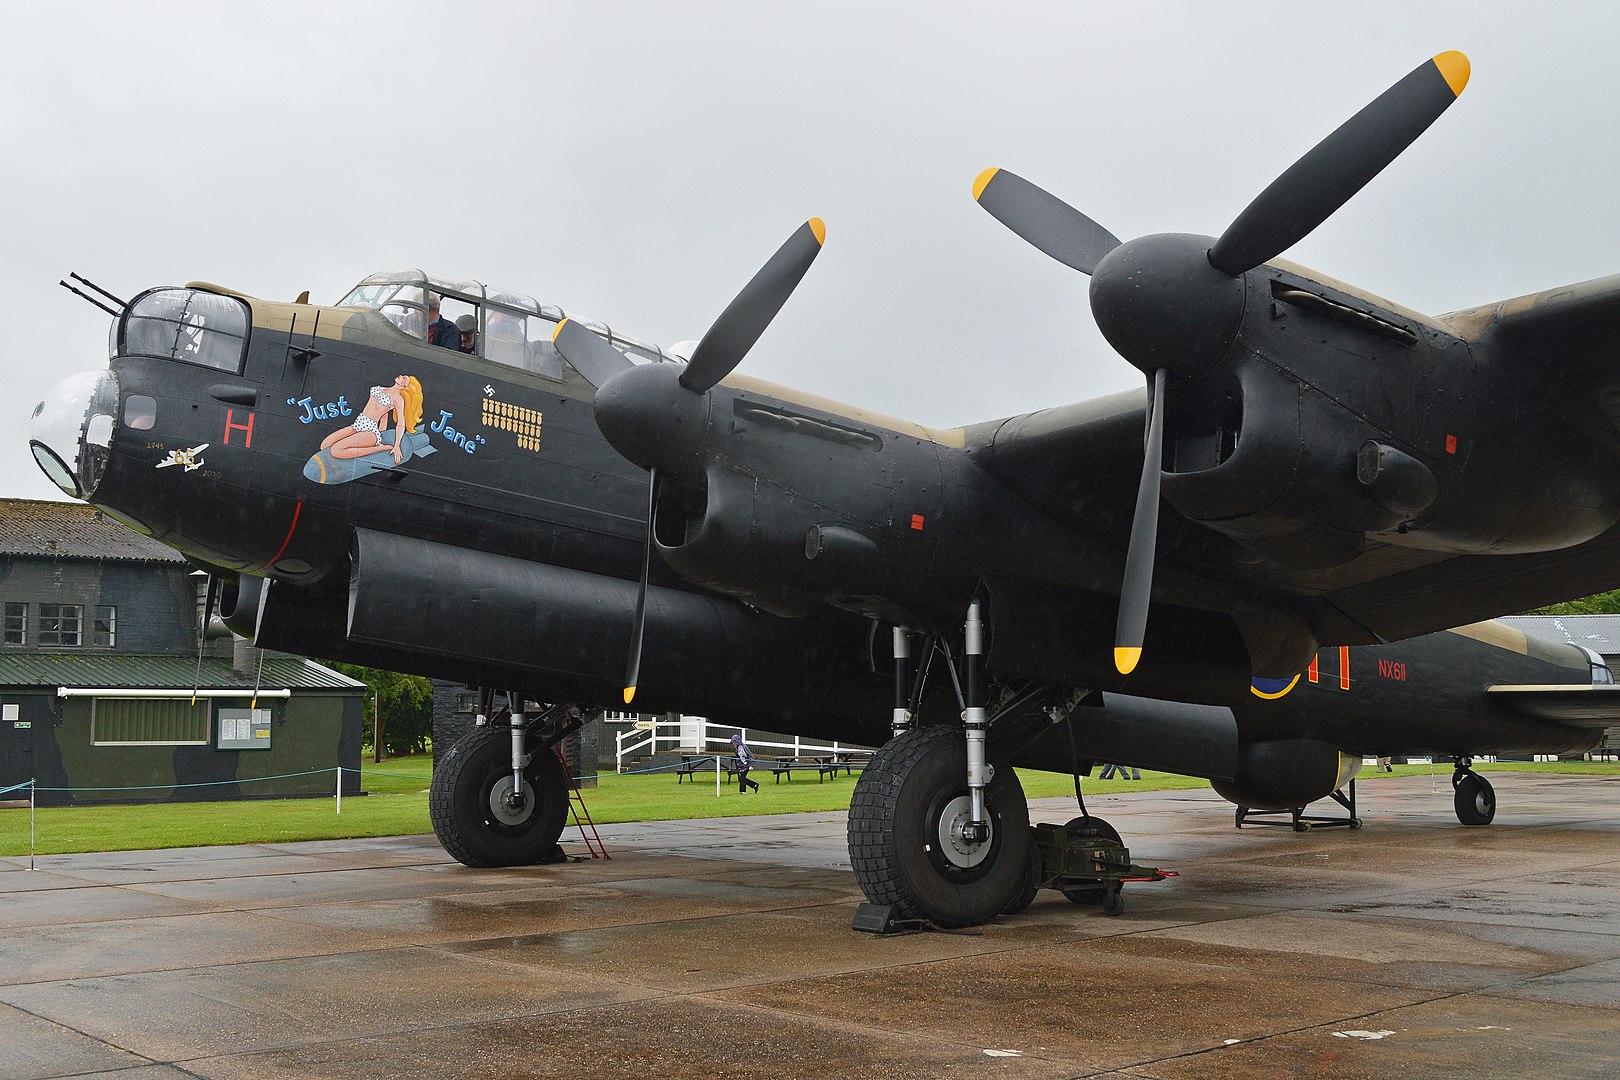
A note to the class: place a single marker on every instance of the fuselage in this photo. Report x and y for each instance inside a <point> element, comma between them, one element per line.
<point>236,430</point>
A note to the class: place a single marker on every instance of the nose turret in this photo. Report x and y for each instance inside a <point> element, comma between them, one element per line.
<point>70,433</point>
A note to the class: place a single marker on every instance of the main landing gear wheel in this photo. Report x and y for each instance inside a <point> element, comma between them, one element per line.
<point>1032,884</point>
<point>905,833</point>
<point>1475,799</point>
<point>473,810</point>
<point>1093,827</point>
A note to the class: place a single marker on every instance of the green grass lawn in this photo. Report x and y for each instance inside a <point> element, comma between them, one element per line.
<point>396,805</point>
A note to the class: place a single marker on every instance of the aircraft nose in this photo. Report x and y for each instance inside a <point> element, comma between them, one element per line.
<point>70,433</point>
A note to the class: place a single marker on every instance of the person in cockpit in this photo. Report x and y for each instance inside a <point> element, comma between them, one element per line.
<point>441,331</point>
<point>365,436</point>
<point>468,326</point>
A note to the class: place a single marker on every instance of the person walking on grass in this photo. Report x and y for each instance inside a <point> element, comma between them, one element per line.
<point>745,761</point>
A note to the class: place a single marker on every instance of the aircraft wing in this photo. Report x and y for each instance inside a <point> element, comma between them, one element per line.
<point>1080,464</point>
<point>1569,338</point>
<point>1578,705</point>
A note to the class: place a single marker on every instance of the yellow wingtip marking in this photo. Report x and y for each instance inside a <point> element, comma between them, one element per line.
<point>557,330</point>
<point>1126,658</point>
<point>1455,67</point>
<point>629,692</point>
<point>818,227</point>
<point>984,181</point>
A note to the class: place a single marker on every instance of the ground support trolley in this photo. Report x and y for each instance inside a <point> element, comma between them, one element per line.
<point>1085,861</point>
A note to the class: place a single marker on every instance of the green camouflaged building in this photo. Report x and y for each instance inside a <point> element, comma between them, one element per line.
<point>98,662</point>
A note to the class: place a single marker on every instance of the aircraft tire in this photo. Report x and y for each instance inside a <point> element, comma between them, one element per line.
<point>464,802</point>
<point>899,842</point>
<point>1475,800</point>
<point>1032,885</point>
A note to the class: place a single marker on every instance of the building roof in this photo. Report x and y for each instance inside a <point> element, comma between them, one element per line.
<point>74,531</point>
<point>163,672</point>
<point>1597,632</point>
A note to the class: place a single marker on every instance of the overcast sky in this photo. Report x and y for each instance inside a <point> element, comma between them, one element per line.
<point>636,163</point>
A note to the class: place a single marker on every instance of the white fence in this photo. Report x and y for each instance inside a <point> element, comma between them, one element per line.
<point>697,734</point>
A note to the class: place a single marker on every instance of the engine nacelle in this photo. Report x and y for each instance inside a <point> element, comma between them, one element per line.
<point>1305,464</point>
<point>1286,773</point>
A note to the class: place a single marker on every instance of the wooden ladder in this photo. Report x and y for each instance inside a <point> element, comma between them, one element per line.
<point>581,815</point>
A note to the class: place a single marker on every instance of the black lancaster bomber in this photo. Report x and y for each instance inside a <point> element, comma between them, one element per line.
<point>1245,571</point>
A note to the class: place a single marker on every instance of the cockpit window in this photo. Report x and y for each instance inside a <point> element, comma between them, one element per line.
<point>186,324</point>
<point>521,341</point>
<point>1601,676</point>
<point>513,329</point>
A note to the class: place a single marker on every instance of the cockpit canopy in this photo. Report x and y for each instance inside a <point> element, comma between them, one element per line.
<point>512,329</point>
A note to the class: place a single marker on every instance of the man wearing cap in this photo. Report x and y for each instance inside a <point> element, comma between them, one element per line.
<point>468,326</point>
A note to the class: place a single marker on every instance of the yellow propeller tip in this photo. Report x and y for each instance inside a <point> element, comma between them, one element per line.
<point>1126,658</point>
<point>1455,67</point>
<point>983,181</point>
<point>818,227</point>
<point>629,693</point>
<point>557,330</point>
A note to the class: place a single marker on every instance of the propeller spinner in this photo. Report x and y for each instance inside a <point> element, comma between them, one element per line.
<point>1137,287</point>
<point>653,413</point>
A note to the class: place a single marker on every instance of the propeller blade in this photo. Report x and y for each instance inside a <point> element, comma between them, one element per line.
<point>588,352</point>
<point>633,667</point>
<point>1044,220</point>
<point>747,316</point>
<point>1340,165</point>
<point>1137,588</point>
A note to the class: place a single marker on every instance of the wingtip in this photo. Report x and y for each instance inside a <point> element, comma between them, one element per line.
<point>819,228</point>
<point>629,694</point>
<point>1456,69</point>
<point>1126,658</point>
<point>983,181</point>
<point>557,330</point>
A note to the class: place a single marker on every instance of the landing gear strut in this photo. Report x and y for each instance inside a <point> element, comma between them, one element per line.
<point>1475,799</point>
<point>910,838</point>
<point>937,833</point>
<point>500,795</point>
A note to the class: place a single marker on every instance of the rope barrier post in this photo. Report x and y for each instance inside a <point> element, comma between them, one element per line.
<point>340,789</point>
<point>717,776</point>
<point>33,783</point>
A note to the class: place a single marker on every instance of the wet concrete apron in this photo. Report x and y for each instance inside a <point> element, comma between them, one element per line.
<point>722,948</point>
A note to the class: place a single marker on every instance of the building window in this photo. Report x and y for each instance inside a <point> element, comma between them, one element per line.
<point>16,624</point>
<point>105,630</point>
<point>149,721</point>
<point>60,624</point>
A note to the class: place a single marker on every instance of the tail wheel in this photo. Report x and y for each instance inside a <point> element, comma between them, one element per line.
<point>475,815</point>
<point>905,833</point>
<point>1475,799</point>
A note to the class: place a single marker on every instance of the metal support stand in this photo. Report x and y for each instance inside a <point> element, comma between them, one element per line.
<point>1300,821</point>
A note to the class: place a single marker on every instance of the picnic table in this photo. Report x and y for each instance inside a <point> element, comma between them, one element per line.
<point>825,765</point>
